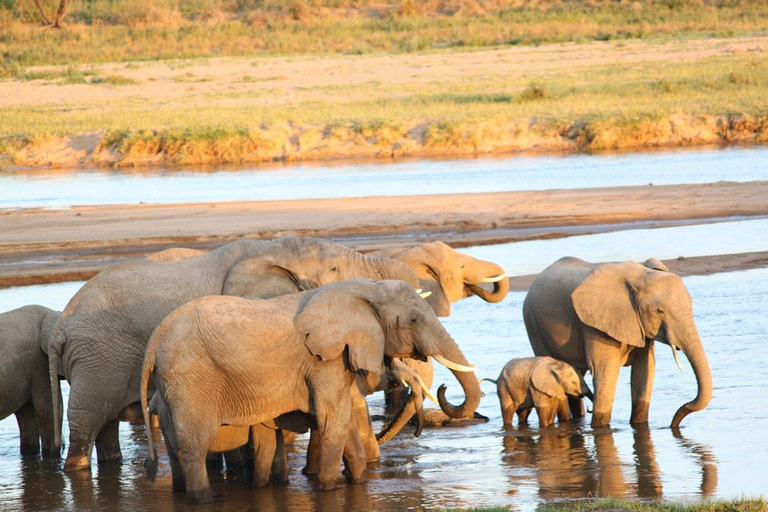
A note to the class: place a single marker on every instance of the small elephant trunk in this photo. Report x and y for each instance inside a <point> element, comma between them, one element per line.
<point>694,351</point>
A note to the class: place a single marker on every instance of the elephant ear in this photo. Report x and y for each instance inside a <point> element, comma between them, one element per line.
<point>334,318</point>
<point>544,379</point>
<point>258,276</point>
<point>655,264</point>
<point>605,300</point>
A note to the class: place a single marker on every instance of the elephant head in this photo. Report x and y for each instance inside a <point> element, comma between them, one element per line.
<point>382,318</point>
<point>635,304</point>
<point>558,379</point>
<point>294,264</point>
<point>451,275</point>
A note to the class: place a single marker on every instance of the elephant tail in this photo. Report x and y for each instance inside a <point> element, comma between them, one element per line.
<point>149,367</point>
<point>489,380</point>
<point>55,349</point>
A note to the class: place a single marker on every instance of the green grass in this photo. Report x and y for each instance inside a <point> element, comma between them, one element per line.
<point>127,30</point>
<point>616,505</point>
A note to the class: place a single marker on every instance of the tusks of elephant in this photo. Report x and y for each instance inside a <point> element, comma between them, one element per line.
<point>454,366</point>
<point>674,354</point>
<point>493,279</point>
<point>424,388</point>
<point>422,293</point>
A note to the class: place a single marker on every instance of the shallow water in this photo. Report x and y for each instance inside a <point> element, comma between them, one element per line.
<point>62,188</point>
<point>717,455</point>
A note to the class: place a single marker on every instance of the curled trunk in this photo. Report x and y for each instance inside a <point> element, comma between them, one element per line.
<point>468,381</point>
<point>694,351</point>
<point>414,405</point>
<point>500,288</point>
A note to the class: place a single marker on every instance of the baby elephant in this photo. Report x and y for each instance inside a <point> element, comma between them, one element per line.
<point>540,382</point>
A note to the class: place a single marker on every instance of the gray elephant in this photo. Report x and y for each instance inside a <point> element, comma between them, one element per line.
<point>105,327</point>
<point>600,317</point>
<point>25,387</point>
<point>450,275</point>
<point>228,361</point>
<point>537,382</point>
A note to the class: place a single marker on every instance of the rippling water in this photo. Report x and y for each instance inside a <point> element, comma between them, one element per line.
<point>62,188</point>
<point>716,455</point>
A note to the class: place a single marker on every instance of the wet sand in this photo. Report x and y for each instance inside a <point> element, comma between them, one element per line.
<point>41,246</point>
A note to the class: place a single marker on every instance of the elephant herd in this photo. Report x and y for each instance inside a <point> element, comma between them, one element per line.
<point>247,344</point>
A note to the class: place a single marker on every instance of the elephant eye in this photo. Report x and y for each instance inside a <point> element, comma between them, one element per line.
<point>414,320</point>
<point>334,269</point>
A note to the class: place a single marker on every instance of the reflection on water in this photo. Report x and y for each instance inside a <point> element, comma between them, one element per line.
<point>62,188</point>
<point>714,455</point>
<point>635,244</point>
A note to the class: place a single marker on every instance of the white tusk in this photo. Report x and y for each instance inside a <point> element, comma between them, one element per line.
<point>454,366</point>
<point>418,290</point>
<point>493,279</point>
<point>424,295</point>
<point>674,353</point>
<point>405,383</point>
<point>425,389</point>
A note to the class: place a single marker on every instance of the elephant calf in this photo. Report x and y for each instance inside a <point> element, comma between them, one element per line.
<point>541,383</point>
<point>25,388</point>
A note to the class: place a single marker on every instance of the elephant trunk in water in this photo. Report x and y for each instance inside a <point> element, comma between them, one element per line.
<point>467,379</point>
<point>492,274</point>
<point>694,351</point>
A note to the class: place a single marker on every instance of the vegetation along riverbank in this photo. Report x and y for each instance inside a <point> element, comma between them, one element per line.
<point>317,80</point>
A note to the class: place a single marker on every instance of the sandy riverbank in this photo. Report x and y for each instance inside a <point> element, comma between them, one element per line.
<point>39,246</point>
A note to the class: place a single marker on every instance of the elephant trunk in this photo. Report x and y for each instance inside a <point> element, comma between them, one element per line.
<point>494,274</point>
<point>414,405</point>
<point>468,381</point>
<point>694,351</point>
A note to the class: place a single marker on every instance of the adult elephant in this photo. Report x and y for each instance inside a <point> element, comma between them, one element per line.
<point>299,352</point>
<point>105,327</point>
<point>450,275</point>
<point>102,333</point>
<point>24,384</point>
<point>599,317</point>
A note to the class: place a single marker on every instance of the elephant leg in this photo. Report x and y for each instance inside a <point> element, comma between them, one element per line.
<point>643,371</point>
<point>214,461</point>
<point>576,407</point>
<point>546,414</point>
<point>365,429</point>
<point>264,450</point>
<point>355,458</point>
<point>108,443</point>
<point>191,449</point>
<point>522,416</point>
<point>604,360</point>
<point>335,426</point>
<point>198,487</point>
<point>563,410</point>
<point>234,459</point>
<point>28,430</point>
<point>508,408</point>
<point>313,453</point>
<point>280,462</point>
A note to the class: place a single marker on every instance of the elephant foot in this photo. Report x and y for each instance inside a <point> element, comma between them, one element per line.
<point>107,458</point>
<point>279,480</point>
<point>178,484</point>
<point>200,496</point>
<point>258,483</point>
<point>321,485</point>
<point>639,413</point>
<point>306,470</point>
<point>352,479</point>
<point>600,419</point>
<point>30,449</point>
<point>77,463</point>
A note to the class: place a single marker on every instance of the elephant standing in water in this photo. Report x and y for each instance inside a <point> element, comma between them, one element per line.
<point>228,361</point>
<point>25,388</point>
<point>599,317</point>
<point>537,382</point>
<point>104,329</point>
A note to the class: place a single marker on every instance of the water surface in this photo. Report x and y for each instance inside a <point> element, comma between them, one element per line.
<point>715,456</point>
<point>63,188</point>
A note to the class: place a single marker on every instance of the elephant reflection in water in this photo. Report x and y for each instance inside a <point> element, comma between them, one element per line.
<point>567,467</point>
<point>704,456</point>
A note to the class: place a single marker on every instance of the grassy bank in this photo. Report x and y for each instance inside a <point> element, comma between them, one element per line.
<point>638,104</point>
<point>618,505</point>
<point>132,30</point>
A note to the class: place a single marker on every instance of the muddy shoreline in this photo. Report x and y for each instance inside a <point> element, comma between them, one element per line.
<point>42,246</point>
